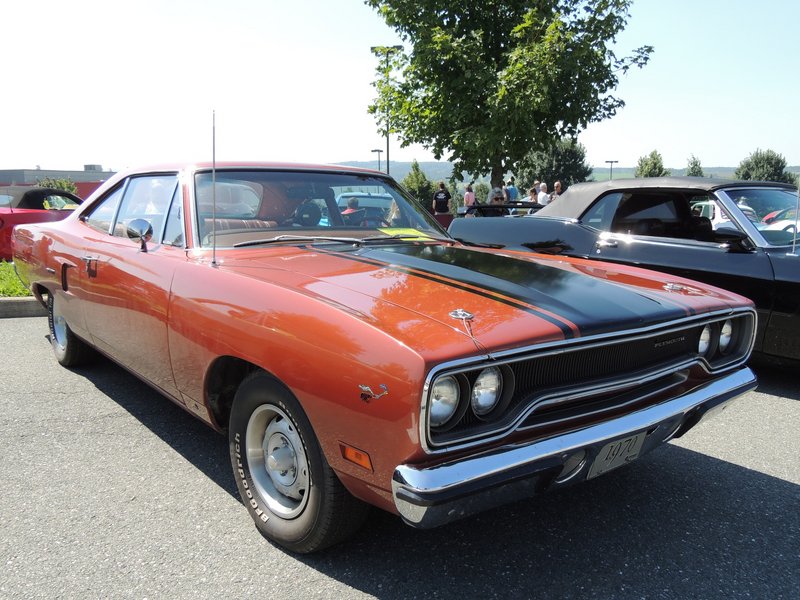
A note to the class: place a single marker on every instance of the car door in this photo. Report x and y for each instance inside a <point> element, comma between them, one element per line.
<point>125,287</point>
<point>645,233</point>
<point>782,335</point>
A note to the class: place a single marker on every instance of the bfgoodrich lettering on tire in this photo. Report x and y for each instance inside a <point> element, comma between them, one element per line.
<point>285,482</point>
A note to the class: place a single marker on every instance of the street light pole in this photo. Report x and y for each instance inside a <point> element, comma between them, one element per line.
<point>611,168</point>
<point>387,51</point>
<point>378,150</point>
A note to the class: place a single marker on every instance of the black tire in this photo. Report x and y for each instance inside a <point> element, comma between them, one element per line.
<point>291,492</point>
<point>69,350</point>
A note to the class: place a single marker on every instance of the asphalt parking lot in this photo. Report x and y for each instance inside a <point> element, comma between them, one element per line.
<point>111,491</point>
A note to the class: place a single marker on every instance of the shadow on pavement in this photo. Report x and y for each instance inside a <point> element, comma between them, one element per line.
<point>675,524</point>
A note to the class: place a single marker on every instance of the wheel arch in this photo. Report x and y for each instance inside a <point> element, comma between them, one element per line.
<point>224,377</point>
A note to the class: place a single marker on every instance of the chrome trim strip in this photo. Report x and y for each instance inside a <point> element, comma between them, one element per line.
<point>563,346</point>
<point>454,489</point>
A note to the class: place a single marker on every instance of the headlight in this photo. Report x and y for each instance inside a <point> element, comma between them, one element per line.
<point>486,391</point>
<point>705,341</point>
<point>725,336</point>
<point>444,400</point>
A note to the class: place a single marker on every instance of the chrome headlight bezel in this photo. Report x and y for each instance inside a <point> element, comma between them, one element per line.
<point>704,344</point>
<point>485,394</point>
<point>456,407</point>
<point>727,336</point>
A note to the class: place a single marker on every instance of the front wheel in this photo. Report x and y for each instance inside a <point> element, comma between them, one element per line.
<point>69,350</point>
<point>285,482</point>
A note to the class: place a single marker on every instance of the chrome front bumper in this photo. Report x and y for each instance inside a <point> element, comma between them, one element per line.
<point>428,497</point>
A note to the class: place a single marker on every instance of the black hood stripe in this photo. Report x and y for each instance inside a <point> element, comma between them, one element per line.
<point>569,330</point>
<point>577,303</point>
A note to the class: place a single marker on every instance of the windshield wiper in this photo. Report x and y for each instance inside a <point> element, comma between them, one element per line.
<point>298,238</point>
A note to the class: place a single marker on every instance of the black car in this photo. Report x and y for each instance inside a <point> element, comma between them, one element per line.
<point>719,232</point>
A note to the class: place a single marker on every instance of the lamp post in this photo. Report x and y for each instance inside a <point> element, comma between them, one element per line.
<point>387,51</point>
<point>378,150</point>
<point>611,168</point>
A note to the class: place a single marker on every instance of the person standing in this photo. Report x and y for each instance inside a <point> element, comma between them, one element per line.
<point>469,196</point>
<point>513,192</point>
<point>441,200</point>
<point>544,197</point>
<point>556,191</point>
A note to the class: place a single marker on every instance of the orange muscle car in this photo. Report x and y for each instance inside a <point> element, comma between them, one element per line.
<point>368,358</point>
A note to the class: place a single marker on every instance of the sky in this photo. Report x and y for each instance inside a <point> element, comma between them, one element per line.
<point>123,83</point>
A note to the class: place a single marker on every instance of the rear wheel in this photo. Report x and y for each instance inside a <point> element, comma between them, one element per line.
<point>69,350</point>
<point>285,482</point>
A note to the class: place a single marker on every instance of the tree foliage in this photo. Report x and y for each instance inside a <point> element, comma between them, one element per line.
<point>765,165</point>
<point>694,168</point>
<point>651,165</point>
<point>563,161</point>
<point>65,184</point>
<point>487,81</point>
<point>418,184</point>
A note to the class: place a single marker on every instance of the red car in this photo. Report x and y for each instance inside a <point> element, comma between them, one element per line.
<point>376,362</point>
<point>21,204</point>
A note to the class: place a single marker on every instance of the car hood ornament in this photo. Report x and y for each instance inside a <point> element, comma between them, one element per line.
<point>466,318</point>
<point>462,315</point>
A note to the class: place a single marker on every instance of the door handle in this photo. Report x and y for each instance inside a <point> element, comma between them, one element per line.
<point>88,260</point>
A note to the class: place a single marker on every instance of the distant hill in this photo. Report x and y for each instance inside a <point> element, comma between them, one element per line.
<point>441,171</point>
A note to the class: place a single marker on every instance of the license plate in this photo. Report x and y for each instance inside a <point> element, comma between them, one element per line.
<point>615,454</point>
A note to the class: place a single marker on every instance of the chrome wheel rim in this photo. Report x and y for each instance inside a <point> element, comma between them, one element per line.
<point>59,327</point>
<point>277,461</point>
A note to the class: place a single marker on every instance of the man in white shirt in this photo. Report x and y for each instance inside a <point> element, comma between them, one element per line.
<point>544,197</point>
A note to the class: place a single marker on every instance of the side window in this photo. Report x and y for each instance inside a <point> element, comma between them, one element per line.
<point>601,214</point>
<point>647,214</point>
<point>146,198</point>
<point>173,232</point>
<point>102,214</point>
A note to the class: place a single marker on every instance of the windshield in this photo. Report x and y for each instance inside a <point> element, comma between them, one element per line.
<point>248,205</point>
<point>771,210</point>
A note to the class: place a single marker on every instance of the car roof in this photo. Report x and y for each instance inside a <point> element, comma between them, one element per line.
<point>25,194</point>
<point>579,196</point>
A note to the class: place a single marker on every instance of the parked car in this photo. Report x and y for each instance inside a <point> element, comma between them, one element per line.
<point>26,204</point>
<point>384,365</point>
<point>704,229</point>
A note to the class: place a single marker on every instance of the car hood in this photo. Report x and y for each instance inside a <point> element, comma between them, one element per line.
<point>499,299</point>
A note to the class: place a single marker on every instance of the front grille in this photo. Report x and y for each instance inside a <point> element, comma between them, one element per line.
<point>564,385</point>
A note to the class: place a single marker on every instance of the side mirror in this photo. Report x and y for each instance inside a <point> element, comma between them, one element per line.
<point>732,237</point>
<point>141,232</point>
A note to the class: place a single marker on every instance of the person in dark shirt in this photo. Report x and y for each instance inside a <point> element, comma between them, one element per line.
<point>441,200</point>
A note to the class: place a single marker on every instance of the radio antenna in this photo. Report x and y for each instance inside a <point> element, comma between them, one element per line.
<point>213,188</point>
<point>796,218</point>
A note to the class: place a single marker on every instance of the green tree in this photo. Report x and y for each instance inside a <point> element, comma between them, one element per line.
<point>651,165</point>
<point>65,184</point>
<point>418,184</point>
<point>486,82</point>
<point>563,161</point>
<point>765,165</point>
<point>693,167</point>
<point>481,190</point>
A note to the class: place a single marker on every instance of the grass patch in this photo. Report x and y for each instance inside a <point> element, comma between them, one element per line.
<point>10,285</point>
